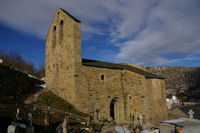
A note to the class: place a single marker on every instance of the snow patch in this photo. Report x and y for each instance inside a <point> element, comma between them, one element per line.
<point>42,79</point>
<point>150,131</point>
<point>41,85</point>
<point>83,123</point>
<point>85,128</point>
<point>121,129</point>
<point>174,121</point>
<point>1,61</point>
<point>31,76</point>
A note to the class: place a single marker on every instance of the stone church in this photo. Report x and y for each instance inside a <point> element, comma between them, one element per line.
<point>108,91</point>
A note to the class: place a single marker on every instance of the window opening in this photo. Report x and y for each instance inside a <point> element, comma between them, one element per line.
<point>102,77</point>
<point>61,31</point>
<point>54,36</point>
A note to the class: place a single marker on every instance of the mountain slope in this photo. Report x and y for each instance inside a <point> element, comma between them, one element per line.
<point>183,82</point>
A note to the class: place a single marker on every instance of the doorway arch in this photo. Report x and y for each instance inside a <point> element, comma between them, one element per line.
<point>115,109</point>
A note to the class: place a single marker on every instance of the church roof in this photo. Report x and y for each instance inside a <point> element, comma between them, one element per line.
<point>70,15</point>
<point>102,64</point>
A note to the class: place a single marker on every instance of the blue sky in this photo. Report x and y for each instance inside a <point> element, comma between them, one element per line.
<point>31,48</point>
<point>143,32</point>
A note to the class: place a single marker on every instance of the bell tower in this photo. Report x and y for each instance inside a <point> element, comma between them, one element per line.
<point>63,54</point>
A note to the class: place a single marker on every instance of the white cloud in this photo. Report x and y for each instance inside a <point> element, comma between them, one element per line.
<point>34,17</point>
<point>172,29</point>
<point>145,31</point>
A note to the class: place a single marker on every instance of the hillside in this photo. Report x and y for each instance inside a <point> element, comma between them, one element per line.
<point>16,86</point>
<point>16,61</point>
<point>24,91</point>
<point>183,82</point>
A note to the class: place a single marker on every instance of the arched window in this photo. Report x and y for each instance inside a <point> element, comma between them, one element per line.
<point>102,77</point>
<point>54,36</point>
<point>61,31</point>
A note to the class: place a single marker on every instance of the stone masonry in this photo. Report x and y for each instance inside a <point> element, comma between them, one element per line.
<point>107,91</point>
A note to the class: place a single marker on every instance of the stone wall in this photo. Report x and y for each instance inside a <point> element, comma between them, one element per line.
<point>97,92</point>
<point>62,56</point>
<point>134,94</point>
<point>157,96</point>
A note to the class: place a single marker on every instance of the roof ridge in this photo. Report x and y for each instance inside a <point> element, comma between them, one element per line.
<point>71,16</point>
<point>110,65</point>
<point>102,61</point>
